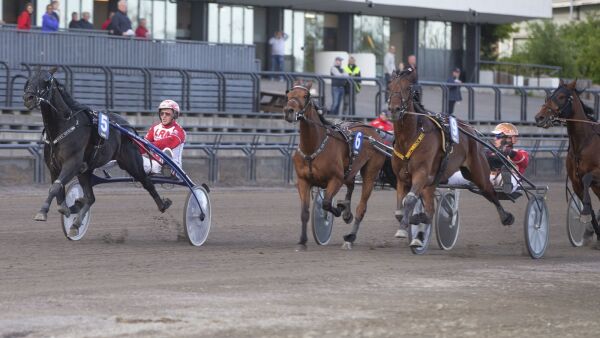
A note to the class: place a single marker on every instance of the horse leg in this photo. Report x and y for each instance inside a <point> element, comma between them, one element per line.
<point>57,189</point>
<point>130,160</point>
<point>346,203</point>
<point>84,203</point>
<point>410,200</point>
<point>586,213</point>
<point>401,189</point>
<point>482,180</point>
<point>422,219</point>
<point>333,187</point>
<point>361,209</point>
<point>304,192</point>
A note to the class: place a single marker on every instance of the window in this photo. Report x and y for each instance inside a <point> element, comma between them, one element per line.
<point>230,24</point>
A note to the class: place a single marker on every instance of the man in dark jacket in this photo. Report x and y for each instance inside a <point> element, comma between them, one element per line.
<point>120,23</point>
<point>85,23</point>
<point>74,20</point>
<point>454,91</point>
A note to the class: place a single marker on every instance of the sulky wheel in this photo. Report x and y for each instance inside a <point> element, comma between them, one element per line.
<point>74,191</point>
<point>321,220</point>
<point>422,230</point>
<point>197,219</point>
<point>447,222</point>
<point>575,228</point>
<point>536,226</point>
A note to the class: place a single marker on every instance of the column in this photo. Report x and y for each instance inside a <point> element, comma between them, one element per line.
<point>472,53</point>
<point>199,21</point>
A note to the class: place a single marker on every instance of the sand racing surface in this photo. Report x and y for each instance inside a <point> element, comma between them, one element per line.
<point>131,276</point>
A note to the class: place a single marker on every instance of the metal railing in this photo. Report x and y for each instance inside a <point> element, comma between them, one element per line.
<point>519,69</point>
<point>70,47</point>
<point>250,145</point>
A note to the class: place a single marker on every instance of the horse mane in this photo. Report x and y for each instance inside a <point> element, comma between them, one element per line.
<point>588,111</point>
<point>69,100</point>
<point>324,121</point>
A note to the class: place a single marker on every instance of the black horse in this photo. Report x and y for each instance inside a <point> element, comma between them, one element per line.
<point>74,147</point>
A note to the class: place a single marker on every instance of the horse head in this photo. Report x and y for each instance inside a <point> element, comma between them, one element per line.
<point>38,87</point>
<point>558,105</point>
<point>401,92</point>
<point>298,101</point>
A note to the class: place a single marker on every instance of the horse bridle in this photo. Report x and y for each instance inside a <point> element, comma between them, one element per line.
<point>561,112</point>
<point>41,95</point>
<point>299,115</point>
<point>404,102</point>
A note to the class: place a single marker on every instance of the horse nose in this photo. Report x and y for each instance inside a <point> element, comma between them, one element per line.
<point>289,111</point>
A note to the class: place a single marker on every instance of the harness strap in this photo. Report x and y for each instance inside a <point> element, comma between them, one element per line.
<point>63,134</point>
<point>411,149</point>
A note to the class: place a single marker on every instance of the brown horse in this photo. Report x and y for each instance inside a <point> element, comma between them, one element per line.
<point>419,155</point>
<point>323,159</point>
<point>583,162</point>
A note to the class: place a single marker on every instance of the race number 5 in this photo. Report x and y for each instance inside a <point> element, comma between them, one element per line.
<point>103,125</point>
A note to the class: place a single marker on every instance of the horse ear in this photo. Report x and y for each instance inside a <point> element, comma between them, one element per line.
<point>572,85</point>
<point>308,84</point>
<point>53,70</point>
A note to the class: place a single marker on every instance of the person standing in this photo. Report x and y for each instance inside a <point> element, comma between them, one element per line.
<point>85,23</point>
<point>49,21</point>
<point>277,43</point>
<point>74,20</point>
<point>337,85</point>
<point>353,71</point>
<point>106,22</point>
<point>454,91</point>
<point>411,62</point>
<point>120,24</point>
<point>56,10</point>
<point>141,31</point>
<point>24,20</point>
<point>389,66</point>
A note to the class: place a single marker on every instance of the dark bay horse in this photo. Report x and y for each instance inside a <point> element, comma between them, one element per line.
<point>323,160</point>
<point>74,148</point>
<point>419,153</point>
<point>583,160</point>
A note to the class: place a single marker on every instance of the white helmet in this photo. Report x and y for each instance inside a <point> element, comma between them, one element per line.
<point>170,104</point>
<point>506,128</point>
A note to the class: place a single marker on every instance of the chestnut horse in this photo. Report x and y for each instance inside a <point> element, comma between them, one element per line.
<point>583,162</point>
<point>323,159</point>
<point>419,155</point>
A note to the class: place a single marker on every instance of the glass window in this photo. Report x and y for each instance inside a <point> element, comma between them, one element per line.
<point>372,35</point>
<point>230,24</point>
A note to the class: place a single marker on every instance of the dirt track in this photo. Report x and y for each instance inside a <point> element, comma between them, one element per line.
<point>131,277</point>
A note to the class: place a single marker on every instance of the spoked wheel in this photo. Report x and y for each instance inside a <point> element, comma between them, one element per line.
<point>74,191</point>
<point>447,222</point>
<point>197,218</point>
<point>575,228</point>
<point>321,220</point>
<point>423,231</point>
<point>536,226</point>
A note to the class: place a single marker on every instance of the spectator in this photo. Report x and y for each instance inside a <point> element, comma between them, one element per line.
<point>412,63</point>
<point>277,43</point>
<point>85,23</point>
<point>389,66</point>
<point>383,122</point>
<point>352,70</point>
<point>120,23</point>
<point>454,91</point>
<point>107,21</point>
<point>49,21</point>
<point>401,66</point>
<point>74,20</point>
<point>142,31</point>
<point>337,85</point>
<point>24,20</point>
<point>56,10</point>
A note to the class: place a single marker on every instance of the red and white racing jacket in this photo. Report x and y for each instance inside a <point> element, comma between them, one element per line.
<point>170,136</point>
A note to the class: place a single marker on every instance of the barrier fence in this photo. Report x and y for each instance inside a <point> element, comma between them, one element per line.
<point>212,145</point>
<point>121,89</point>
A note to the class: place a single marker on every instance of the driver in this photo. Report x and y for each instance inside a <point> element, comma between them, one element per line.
<point>167,135</point>
<point>505,138</point>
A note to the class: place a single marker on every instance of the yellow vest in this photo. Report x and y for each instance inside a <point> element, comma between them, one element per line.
<point>353,73</point>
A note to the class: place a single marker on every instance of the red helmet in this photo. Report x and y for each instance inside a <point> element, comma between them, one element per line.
<point>170,104</point>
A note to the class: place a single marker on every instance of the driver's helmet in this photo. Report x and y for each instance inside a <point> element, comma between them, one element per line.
<point>506,128</point>
<point>170,104</point>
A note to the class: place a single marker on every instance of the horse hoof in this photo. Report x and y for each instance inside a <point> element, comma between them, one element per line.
<point>509,219</point>
<point>416,243</point>
<point>40,216</point>
<point>348,218</point>
<point>65,211</point>
<point>166,204</point>
<point>347,246</point>
<point>401,233</point>
<point>585,219</point>
<point>350,238</point>
<point>341,206</point>
<point>301,248</point>
<point>73,232</point>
